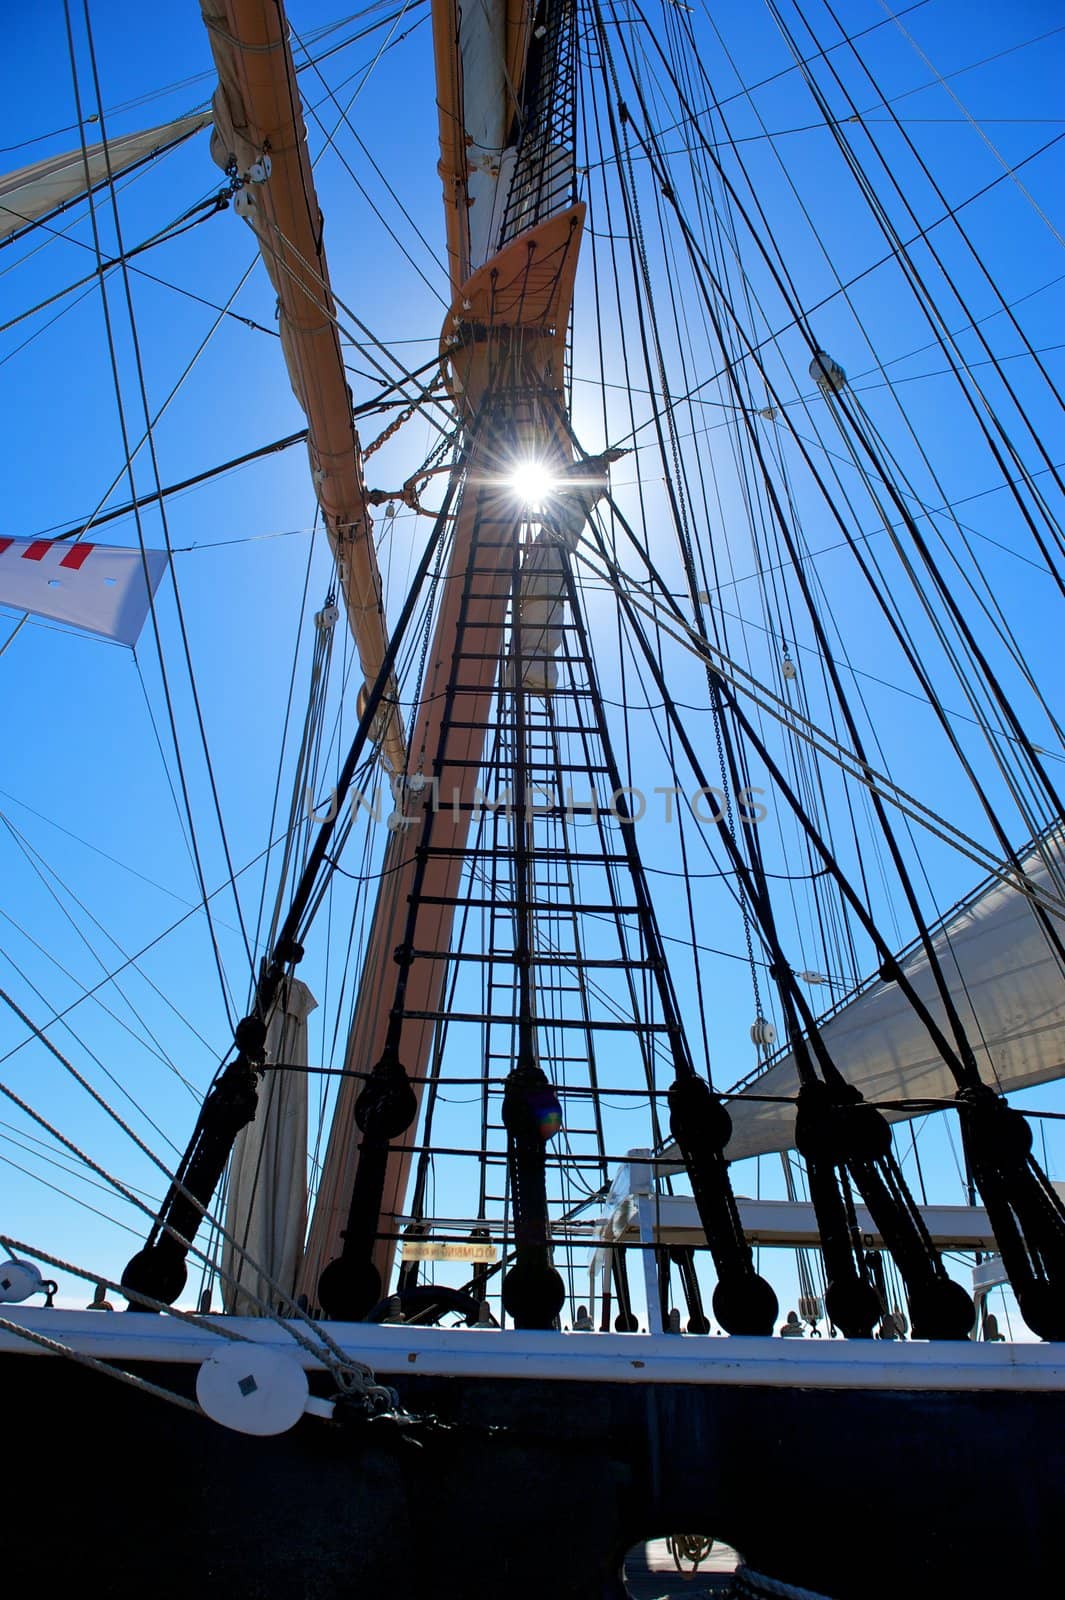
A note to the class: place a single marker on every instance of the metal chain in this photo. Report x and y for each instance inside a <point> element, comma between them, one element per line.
<point>398,421</point>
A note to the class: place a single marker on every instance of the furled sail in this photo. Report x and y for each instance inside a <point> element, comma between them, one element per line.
<point>1009,988</point>
<point>260,140</point>
<point>266,1211</point>
<point>35,191</point>
<point>105,589</point>
<point>480,65</point>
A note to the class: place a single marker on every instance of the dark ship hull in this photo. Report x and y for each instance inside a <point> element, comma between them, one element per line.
<point>818,1463</point>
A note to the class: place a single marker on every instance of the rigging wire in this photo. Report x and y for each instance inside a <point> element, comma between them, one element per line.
<point>174,230</point>
<point>672,404</point>
<point>150,440</point>
<point>330,137</point>
<point>652,603</point>
<point>971,120</point>
<point>886,260</point>
<point>799,573</point>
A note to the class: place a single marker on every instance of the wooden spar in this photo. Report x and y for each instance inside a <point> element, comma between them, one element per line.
<point>257,114</point>
<point>511,319</point>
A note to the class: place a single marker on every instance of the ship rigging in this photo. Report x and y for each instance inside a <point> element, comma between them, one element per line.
<point>616,612</point>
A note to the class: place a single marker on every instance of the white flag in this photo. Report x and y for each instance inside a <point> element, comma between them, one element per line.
<point>105,589</point>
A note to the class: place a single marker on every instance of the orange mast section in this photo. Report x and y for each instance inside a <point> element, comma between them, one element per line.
<point>511,320</point>
<point>259,137</point>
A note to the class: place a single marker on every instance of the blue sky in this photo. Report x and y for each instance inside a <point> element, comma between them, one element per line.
<point>83,781</point>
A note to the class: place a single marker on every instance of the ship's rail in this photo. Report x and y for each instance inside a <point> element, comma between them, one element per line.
<point>643,1359</point>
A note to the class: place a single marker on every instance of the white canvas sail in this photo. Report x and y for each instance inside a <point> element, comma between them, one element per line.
<point>1006,982</point>
<point>480,62</point>
<point>105,589</point>
<point>266,1211</point>
<point>34,191</point>
<point>489,107</point>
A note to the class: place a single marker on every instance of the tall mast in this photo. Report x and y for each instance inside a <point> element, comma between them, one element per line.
<point>505,341</point>
<point>500,636</point>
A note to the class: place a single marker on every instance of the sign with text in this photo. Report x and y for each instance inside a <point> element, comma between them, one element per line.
<point>431,1250</point>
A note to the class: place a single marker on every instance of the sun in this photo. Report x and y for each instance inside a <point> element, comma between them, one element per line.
<point>532,482</point>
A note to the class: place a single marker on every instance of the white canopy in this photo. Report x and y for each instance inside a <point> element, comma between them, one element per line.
<point>1006,982</point>
<point>266,1212</point>
<point>34,191</point>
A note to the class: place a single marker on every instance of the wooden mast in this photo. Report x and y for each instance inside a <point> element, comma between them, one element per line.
<point>504,340</point>
<point>514,312</point>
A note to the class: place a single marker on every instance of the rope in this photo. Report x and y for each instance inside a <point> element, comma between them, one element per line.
<point>142,391</point>
<point>19,1248</point>
<point>750,1585</point>
<point>330,141</point>
<point>83,1360</point>
<point>971,120</point>
<point>149,1040</point>
<point>173,230</point>
<point>329,303</point>
<point>960,1056</point>
<point>684,633</point>
<point>351,1376</point>
<point>340,1364</point>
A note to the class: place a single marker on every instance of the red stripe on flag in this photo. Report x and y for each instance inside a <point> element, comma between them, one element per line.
<point>77,556</point>
<point>5,544</point>
<point>37,550</point>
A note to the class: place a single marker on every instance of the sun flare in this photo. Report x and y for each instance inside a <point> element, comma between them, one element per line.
<point>532,482</point>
